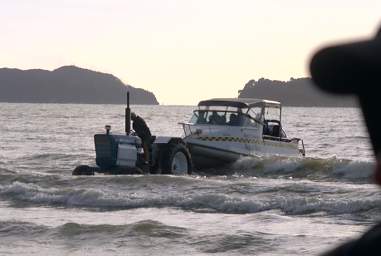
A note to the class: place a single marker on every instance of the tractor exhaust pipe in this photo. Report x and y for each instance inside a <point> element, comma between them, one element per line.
<point>128,115</point>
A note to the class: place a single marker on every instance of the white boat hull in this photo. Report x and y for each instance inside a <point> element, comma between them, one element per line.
<point>219,151</point>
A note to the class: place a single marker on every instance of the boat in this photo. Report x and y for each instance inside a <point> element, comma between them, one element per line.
<point>222,130</point>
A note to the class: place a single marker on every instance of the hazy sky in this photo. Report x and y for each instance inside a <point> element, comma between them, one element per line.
<point>182,50</point>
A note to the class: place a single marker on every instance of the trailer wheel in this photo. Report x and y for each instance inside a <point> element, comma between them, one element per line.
<point>176,160</point>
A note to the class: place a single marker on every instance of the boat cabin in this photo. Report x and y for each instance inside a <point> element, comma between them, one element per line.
<point>262,116</point>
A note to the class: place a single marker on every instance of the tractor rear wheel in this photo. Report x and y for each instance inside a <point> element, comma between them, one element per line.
<point>176,160</point>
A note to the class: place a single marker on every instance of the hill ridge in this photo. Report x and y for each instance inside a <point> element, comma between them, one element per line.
<point>68,84</point>
<point>295,92</point>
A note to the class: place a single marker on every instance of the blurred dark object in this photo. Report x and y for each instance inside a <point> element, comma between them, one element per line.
<point>355,68</point>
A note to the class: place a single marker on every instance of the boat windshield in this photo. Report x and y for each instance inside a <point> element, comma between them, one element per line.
<point>272,113</point>
<point>220,117</point>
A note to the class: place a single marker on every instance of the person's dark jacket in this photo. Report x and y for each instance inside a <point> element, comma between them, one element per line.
<point>141,129</point>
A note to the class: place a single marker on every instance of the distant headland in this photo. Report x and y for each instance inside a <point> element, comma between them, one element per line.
<point>68,84</point>
<point>295,92</point>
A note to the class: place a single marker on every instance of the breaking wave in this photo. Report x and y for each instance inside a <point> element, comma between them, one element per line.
<point>292,186</point>
<point>289,198</point>
<point>331,169</point>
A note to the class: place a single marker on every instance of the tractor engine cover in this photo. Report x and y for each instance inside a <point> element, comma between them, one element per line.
<point>116,150</point>
<point>127,155</point>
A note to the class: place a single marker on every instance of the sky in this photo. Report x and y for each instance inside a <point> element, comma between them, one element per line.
<point>183,51</point>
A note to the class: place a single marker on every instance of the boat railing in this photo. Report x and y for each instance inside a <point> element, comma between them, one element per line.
<point>187,127</point>
<point>276,138</point>
<point>302,149</point>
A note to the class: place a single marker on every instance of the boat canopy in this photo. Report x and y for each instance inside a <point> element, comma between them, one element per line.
<point>240,102</point>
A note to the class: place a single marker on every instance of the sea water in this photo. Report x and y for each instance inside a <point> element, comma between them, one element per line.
<point>259,206</point>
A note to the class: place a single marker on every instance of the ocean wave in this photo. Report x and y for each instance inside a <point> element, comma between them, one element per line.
<point>285,198</point>
<point>331,169</point>
<point>334,207</point>
<point>325,169</point>
<point>149,228</point>
<point>249,243</point>
<point>141,228</point>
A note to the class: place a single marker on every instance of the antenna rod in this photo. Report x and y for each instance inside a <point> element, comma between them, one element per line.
<point>128,115</point>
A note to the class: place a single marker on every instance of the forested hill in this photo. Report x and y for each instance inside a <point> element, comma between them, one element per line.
<point>295,92</point>
<point>67,84</point>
